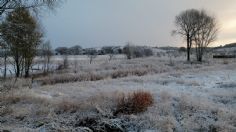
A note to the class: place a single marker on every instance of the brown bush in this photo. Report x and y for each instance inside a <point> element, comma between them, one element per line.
<point>134,103</point>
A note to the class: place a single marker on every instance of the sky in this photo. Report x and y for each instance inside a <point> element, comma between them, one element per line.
<point>97,23</point>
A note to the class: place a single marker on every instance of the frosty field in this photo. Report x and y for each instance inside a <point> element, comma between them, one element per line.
<point>187,96</point>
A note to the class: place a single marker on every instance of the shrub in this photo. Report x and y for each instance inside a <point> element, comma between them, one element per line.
<point>134,103</point>
<point>132,51</point>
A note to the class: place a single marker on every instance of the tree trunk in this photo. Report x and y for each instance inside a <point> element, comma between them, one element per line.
<point>90,60</point>
<point>44,65</point>
<point>17,70</point>
<point>27,67</point>
<point>5,65</point>
<point>200,59</point>
<point>48,61</point>
<point>188,48</point>
<point>26,73</point>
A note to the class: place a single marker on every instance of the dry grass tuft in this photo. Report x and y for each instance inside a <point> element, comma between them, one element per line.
<point>131,72</point>
<point>66,78</point>
<point>165,96</point>
<point>67,105</point>
<point>5,110</point>
<point>134,103</point>
<point>226,62</point>
<point>18,97</point>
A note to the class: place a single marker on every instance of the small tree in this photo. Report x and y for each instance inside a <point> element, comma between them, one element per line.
<point>75,63</point>
<point>46,50</point>
<point>110,51</point>
<point>92,54</point>
<point>170,54</point>
<point>65,62</point>
<point>111,56</point>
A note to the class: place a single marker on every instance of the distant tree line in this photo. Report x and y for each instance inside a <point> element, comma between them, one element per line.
<point>78,50</point>
<point>130,50</point>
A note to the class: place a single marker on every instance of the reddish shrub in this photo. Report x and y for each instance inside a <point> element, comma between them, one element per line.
<point>134,103</point>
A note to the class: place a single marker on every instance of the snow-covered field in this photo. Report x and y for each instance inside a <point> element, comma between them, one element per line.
<point>187,97</point>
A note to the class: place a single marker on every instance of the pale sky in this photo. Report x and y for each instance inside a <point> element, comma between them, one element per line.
<point>96,23</point>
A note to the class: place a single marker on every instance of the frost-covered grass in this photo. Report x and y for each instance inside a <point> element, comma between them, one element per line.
<point>187,97</point>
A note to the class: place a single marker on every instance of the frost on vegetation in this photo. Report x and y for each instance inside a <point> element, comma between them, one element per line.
<point>183,100</point>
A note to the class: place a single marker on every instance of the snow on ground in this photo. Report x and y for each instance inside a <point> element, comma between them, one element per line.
<point>196,83</point>
<point>188,97</point>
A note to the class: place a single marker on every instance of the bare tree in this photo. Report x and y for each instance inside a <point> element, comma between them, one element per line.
<point>186,27</point>
<point>111,56</point>
<point>109,50</point>
<point>65,62</point>
<point>92,54</point>
<point>206,33</point>
<point>92,57</point>
<point>75,63</point>
<point>9,5</point>
<point>46,50</point>
<point>170,54</point>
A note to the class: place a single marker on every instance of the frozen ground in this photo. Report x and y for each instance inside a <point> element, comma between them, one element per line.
<point>188,97</point>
